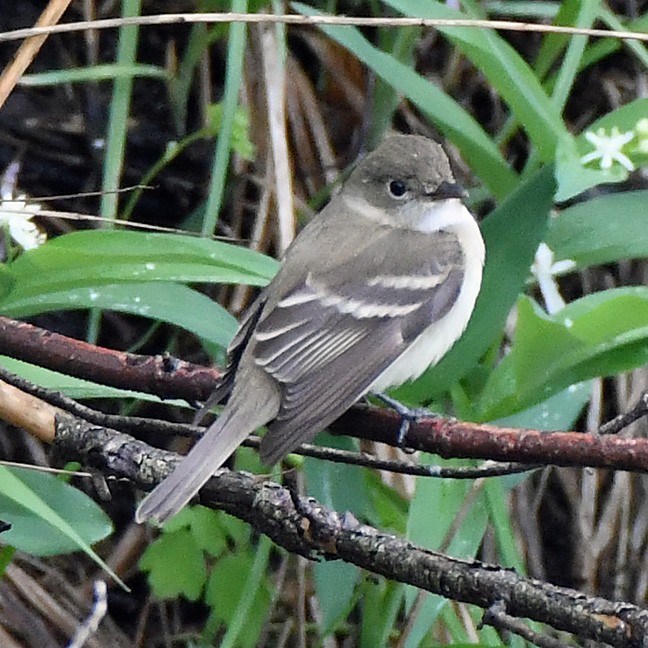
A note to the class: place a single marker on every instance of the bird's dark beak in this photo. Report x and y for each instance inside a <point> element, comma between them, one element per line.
<point>448,190</point>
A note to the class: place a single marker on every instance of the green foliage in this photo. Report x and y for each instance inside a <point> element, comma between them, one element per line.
<point>203,555</point>
<point>49,517</point>
<point>175,565</point>
<point>32,529</point>
<point>541,381</point>
<point>133,272</point>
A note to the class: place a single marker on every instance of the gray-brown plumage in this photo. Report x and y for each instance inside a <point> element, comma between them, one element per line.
<point>374,290</point>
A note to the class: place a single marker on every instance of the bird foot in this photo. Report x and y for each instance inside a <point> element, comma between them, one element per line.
<point>408,416</point>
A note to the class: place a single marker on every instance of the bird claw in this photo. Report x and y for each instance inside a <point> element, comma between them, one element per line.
<point>408,416</point>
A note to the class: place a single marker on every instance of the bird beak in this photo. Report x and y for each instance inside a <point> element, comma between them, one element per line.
<point>448,190</point>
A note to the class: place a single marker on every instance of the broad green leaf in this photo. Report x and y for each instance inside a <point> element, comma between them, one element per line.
<point>625,118</point>
<point>169,302</point>
<point>505,69</point>
<point>477,148</point>
<point>572,177</point>
<point>558,412</point>
<point>19,495</point>
<point>33,534</point>
<point>387,508</point>
<point>599,335</point>
<point>89,258</point>
<point>604,229</point>
<point>7,281</point>
<point>512,234</point>
<point>175,565</point>
<point>381,601</point>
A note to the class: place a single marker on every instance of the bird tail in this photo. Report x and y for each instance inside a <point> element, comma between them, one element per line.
<point>223,436</point>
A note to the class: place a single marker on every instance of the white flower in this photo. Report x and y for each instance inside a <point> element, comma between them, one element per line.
<point>16,215</point>
<point>544,268</point>
<point>607,148</point>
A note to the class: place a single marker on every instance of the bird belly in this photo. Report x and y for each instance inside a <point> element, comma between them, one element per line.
<point>437,339</point>
<point>426,350</point>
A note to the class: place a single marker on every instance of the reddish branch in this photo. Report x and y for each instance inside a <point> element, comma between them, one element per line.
<point>163,376</point>
<point>170,378</point>
<point>452,438</point>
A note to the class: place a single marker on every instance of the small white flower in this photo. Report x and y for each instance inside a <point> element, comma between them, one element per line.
<point>544,269</point>
<point>642,127</point>
<point>16,215</point>
<point>607,148</point>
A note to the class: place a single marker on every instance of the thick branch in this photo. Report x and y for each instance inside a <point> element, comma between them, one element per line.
<point>301,525</point>
<point>161,375</point>
<point>451,438</point>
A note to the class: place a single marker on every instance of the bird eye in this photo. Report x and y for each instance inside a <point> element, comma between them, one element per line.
<point>397,188</point>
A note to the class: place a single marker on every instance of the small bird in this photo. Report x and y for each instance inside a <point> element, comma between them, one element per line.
<point>373,291</point>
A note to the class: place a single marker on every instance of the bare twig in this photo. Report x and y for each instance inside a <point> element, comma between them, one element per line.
<point>496,616</point>
<point>292,19</point>
<point>622,421</point>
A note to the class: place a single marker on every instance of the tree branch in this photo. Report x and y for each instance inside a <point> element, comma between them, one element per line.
<point>303,526</point>
<point>162,375</point>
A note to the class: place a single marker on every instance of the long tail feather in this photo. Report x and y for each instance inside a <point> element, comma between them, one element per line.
<point>219,441</point>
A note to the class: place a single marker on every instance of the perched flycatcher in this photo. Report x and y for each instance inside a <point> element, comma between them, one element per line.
<point>373,291</point>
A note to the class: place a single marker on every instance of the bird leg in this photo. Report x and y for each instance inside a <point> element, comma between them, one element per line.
<point>408,416</point>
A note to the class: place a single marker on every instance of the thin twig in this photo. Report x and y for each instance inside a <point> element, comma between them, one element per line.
<point>291,19</point>
<point>622,421</point>
<point>496,616</point>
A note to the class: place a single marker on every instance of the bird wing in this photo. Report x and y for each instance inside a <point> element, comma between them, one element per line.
<point>329,338</point>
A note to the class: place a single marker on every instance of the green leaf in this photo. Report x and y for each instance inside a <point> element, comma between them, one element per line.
<point>583,13</point>
<point>207,530</point>
<point>93,73</point>
<point>341,488</point>
<point>599,335</point>
<point>625,117</point>
<point>381,601</point>
<point>512,234</point>
<point>240,593</point>
<point>433,511</point>
<point>604,229</point>
<point>558,412</point>
<point>205,526</point>
<point>91,258</point>
<point>7,281</point>
<point>169,302</point>
<point>75,387</point>
<point>388,509</point>
<point>477,148</point>
<point>33,533</point>
<point>51,503</point>
<point>176,565</point>
<point>572,177</point>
